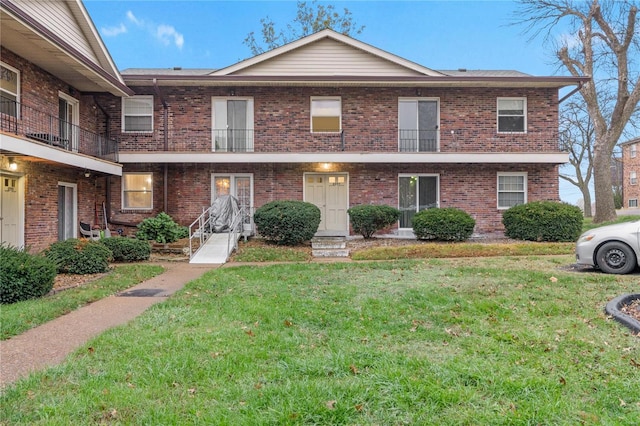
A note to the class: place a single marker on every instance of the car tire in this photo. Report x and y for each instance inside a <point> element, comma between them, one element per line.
<point>616,258</point>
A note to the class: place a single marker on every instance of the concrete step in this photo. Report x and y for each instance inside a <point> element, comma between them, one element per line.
<point>328,243</point>
<point>330,253</point>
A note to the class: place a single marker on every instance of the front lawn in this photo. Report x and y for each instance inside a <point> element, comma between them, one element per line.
<point>503,340</point>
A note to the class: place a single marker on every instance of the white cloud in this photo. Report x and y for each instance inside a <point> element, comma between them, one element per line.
<point>166,33</point>
<point>131,17</point>
<point>113,31</point>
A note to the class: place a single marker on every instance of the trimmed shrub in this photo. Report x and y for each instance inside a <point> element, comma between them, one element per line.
<point>75,256</point>
<point>161,229</point>
<point>443,224</point>
<point>127,249</point>
<point>287,222</point>
<point>550,221</point>
<point>367,219</point>
<point>24,276</point>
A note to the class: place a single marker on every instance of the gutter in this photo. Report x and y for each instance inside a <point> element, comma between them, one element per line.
<point>165,109</point>
<point>571,93</point>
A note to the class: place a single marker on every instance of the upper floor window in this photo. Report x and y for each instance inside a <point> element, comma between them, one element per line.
<point>9,90</point>
<point>512,115</point>
<point>137,114</point>
<point>633,178</point>
<point>326,114</point>
<point>512,189</point>
<point>137,191</point>
<point>418,123</point>
<point>633,150</point>
<point>232,124</point>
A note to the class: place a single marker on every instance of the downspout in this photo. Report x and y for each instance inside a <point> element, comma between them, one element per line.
<point>165,177</point>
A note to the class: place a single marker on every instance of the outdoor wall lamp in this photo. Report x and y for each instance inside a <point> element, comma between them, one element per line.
<point>87,174</point>
<point>418,92</point>
<point>232,92</point>
<point>13,166</point>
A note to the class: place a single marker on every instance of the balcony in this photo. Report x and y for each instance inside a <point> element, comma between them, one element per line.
<point>42,127</point>
<point>418,140</point>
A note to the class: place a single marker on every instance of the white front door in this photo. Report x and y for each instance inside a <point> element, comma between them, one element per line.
<point>11,229</point>
<point>237,185</point>
<point>330,193</point>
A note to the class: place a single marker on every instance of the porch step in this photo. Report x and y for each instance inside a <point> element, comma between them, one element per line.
<point>329,247</point>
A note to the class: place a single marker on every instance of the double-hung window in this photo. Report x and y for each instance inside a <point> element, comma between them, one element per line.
<point>633,150</point>
<point>418,123</point>
<point>633,178</point>
<point>137,191</point>
<point>9,90</point>
<point>633,203</point>
<point>137,114</point>
<point>416,193</point>
<point>232,123</point>
<point>326,114</point>
<point>512,115</point>
<point>512,189</point>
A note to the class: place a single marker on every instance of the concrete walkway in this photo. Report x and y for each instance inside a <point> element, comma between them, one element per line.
<point>50,343</point>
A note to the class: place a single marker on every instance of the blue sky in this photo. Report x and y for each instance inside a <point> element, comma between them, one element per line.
<point>210,34</point>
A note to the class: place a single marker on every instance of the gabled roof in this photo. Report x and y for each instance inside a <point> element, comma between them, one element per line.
<point>59,37</point>
<point>326,53</point>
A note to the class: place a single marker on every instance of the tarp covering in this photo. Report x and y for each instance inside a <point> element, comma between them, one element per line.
<point>223,210</point>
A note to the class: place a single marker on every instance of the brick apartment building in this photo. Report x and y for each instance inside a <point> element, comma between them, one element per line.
<point>630,170</point>
<point>326,119</point>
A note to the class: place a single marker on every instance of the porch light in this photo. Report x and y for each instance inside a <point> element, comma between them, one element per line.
<point>13,166</point>
<point>326,166</point>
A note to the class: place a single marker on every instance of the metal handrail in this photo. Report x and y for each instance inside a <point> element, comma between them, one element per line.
<point>203,236</point>
<point>236,224</point>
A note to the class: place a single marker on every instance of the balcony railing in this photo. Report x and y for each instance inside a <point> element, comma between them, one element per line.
<point>276,140</point>
<point>23,120</point>
<point>418,140</point>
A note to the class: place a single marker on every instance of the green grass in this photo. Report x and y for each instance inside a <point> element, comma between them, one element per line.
<point>588,222</point>
<point>271,254</point>
<point>19,317</point>
<point>502,340</point>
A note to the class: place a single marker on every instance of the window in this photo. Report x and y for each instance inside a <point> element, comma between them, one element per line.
<point>633,178</point>
<point>68,112</point>
<point>237,185</point>
<point>137,114</point>
<point>512,115</point>
<point>326,115</point>
<point>9,90</point>
<point>232,123</point>
<point>416,193</point>
<point>633,203</point>
<point>633,150</point>
<point>137,191</point>
<point>512,189</point>
<point>418,122</point>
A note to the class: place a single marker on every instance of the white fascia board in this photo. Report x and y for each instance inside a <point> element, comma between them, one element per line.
<point>20,146</point>
<point>346,157</point>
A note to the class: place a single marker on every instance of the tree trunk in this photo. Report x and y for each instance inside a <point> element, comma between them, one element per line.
<point>586,196</point>
<point>603,189</point>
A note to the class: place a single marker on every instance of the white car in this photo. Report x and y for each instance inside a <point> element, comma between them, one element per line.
<point>615,249</point>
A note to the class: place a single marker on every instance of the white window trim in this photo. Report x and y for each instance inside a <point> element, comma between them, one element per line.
<point>122,192</point>
<point>75,120</point>
<point>148,98</point>
<point>633,178</point>
<point>231,190</point>
<point>401,175</point>
<point>526,186</point>
<point>633,149</point>
<point>633,201</point>
<point>524,106</point>
<point>418,99</point>
<point>250,117</point>
<point>324,98</point>
<point>74,186</point>
<point>18,76</point>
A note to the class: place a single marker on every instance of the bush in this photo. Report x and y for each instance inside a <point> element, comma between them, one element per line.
<point>24,276</point>
<point>443,224</point>
<point>287,222</point>
<point>162,229</point>
<point>543,221</point>
<point>368,219</point>
<point>79,256</point>
<point>127,249</point>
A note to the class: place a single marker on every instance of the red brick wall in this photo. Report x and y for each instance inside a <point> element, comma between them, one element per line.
<point>630,164</point>
<point>369,119</point>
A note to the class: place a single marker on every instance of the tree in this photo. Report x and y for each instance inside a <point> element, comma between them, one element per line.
<point>310,19</point>
<point>605,45</point>
<point>577,137</point>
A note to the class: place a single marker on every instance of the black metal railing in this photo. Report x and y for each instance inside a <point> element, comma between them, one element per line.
<point>418,140</point>
<point>233,140</point>
<point>34,124</point>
